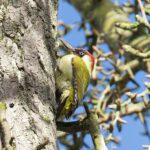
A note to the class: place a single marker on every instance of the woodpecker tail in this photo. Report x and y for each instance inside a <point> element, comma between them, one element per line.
<point>67,104</point>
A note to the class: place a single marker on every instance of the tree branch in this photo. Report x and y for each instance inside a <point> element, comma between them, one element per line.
<point>89,123</point>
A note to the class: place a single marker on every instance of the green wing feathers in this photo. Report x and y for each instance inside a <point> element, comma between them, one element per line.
<point>82,76</point>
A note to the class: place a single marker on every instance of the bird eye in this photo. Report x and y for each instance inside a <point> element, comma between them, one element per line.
<point>81,53</point>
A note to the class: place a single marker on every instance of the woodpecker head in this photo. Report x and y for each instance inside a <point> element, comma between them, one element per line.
<point>87,57</point>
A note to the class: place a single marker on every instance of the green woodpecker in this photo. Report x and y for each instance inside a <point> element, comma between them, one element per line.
<point>72,78</point>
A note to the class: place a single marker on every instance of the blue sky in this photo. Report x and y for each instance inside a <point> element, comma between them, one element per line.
<point>131,138</point>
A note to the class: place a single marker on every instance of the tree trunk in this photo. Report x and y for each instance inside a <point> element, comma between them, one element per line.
<point>27,87</point>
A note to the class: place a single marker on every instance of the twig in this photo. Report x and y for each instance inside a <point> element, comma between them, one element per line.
<point>143,13</point>
<point>127,110</point>
<point>135,52</point>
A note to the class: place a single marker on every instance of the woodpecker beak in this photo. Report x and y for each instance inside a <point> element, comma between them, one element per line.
<point>71,50</point>
<point>68,47</point>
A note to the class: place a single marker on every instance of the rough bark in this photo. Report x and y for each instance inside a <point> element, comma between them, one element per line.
<point>27,86</point>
